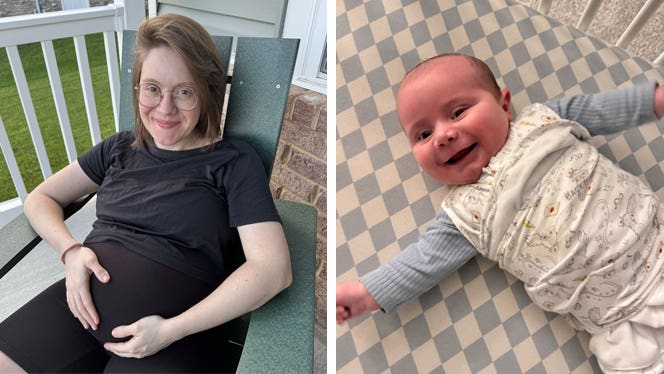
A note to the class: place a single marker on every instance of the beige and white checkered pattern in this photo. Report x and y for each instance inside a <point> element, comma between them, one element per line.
<point>479,320</point>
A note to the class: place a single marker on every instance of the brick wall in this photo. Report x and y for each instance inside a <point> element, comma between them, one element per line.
<point>300,168</point>
<point>21,7</point>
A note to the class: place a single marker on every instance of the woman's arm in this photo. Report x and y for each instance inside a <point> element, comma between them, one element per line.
<point>266,272</point>
<point>44,209</point>
<point>44,205</point>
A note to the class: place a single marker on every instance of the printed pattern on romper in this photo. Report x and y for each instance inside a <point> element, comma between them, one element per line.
<point>479,319</point>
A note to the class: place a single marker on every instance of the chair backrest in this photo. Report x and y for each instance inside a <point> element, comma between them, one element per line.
<point>280,335</point>
<point>259,86</point>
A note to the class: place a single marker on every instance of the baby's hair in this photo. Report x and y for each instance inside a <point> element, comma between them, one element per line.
<point>485,73</point>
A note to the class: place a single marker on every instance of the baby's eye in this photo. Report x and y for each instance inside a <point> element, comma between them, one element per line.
<point>424,134</point>
<point>458,113</point>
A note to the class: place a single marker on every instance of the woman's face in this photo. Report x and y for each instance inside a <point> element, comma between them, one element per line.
<point>171,128</point>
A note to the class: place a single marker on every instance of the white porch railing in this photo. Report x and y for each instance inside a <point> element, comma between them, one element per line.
<point>646,12</point>
<point>44,28</point>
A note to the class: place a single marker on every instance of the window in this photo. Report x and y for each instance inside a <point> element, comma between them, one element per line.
<point>322,70</point>
<point>306,20</point>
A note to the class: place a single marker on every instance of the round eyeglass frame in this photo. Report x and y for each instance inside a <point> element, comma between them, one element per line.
<point>161,96</point>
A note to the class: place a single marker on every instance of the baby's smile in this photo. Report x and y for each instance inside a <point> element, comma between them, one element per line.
<point>461,155</point>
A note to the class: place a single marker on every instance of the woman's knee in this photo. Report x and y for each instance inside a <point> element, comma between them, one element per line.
<point>7,365</point>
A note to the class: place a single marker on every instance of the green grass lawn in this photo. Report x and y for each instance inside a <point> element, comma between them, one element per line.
<point>42,98</point>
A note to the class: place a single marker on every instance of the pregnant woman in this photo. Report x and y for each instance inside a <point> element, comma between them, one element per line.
<point>186,238</point>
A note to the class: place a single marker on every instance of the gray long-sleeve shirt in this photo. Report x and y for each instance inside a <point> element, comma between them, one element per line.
<point>442,249</point>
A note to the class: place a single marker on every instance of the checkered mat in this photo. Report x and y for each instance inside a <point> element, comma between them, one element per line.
<point>479,319</point>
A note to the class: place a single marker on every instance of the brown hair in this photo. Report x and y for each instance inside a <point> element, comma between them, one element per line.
<point>194,44</point>
<point>485,74</point>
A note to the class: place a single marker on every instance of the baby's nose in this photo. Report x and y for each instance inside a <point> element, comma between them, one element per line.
<point>445,135</point>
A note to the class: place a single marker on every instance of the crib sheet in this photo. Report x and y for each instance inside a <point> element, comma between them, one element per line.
<point>479,320</point>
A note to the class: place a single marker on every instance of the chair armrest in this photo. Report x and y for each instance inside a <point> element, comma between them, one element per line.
<point>18,238</point>
<point>281,332</point>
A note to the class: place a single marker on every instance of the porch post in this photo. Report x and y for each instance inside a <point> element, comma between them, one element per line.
<point>134,13</point>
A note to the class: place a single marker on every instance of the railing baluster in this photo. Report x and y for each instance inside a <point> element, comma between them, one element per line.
<point>86,85</point>
<point>588,14</point>
<point>660,60</point>
<point>152,8</point>
<point>14,171</point>
<point>44,28</point>
<point>113,74</point>
<point>543,6</point>
<point>645,13</point>
<point>28,109</point>
<point>59,98</point>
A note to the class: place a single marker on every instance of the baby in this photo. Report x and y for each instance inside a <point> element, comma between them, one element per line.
<point>533,195</point>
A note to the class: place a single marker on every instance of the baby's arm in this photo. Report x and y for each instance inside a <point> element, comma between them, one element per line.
<point>441,250</point>
<point>613,110</point>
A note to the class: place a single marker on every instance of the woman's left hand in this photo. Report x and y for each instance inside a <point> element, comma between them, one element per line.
<point>149,335</point>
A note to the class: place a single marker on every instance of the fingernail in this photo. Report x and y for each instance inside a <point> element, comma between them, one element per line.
<point>104,277</point>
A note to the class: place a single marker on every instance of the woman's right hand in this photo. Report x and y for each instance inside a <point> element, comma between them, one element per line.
<point>80,263</point>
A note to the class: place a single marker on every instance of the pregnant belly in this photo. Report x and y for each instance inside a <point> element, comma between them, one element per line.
<point>139,287</point>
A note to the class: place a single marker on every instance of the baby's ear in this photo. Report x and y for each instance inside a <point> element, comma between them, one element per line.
<point>505,100</point>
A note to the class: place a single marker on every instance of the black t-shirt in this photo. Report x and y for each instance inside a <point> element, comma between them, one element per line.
<point>179,208</point>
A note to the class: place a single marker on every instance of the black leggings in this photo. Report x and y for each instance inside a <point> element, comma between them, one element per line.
<point>44,336</point>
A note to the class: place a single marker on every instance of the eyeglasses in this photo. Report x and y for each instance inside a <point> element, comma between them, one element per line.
<point>150,95</point>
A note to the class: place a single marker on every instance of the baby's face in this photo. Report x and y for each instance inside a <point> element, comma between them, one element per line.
<point>454,124</point>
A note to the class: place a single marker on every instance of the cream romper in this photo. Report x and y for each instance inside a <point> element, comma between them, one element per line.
<point>583,235</point>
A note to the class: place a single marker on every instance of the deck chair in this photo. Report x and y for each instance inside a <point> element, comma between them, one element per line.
<point>279,335</point>
<point>479,319</point>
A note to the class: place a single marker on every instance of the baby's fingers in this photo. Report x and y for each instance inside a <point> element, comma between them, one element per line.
<point>342,314</point>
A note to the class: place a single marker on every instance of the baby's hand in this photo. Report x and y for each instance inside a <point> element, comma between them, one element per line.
<point>353,299</point>
<point>343,313</point>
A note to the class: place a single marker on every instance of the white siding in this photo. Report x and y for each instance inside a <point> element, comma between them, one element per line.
<point>238,18</point>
